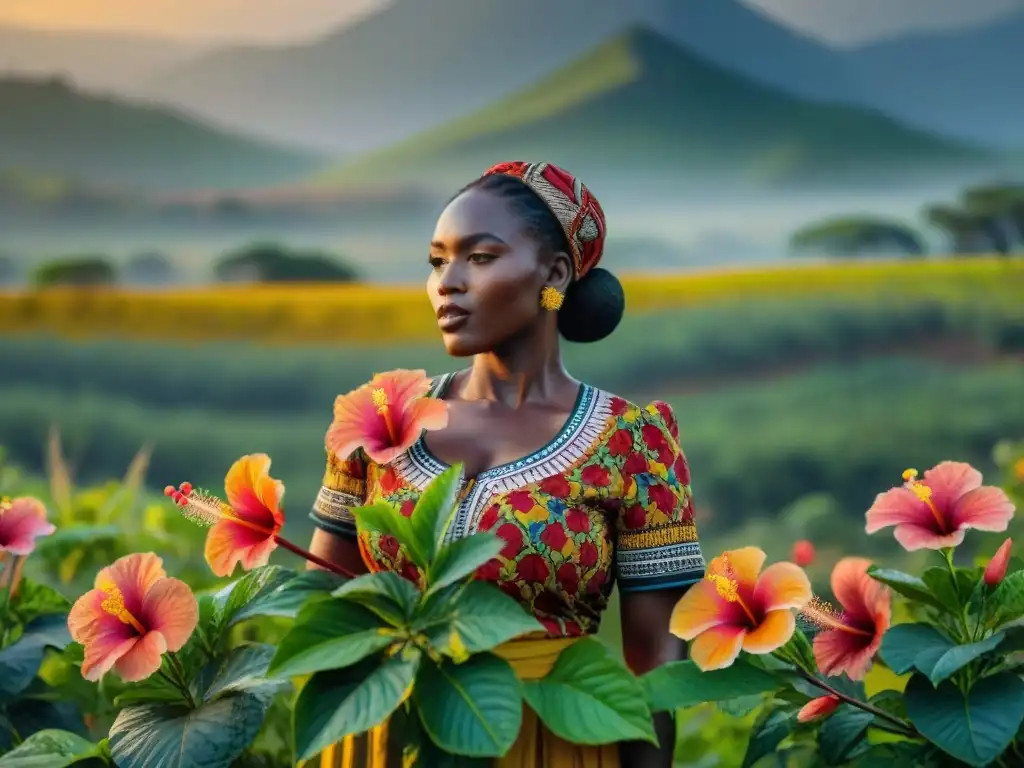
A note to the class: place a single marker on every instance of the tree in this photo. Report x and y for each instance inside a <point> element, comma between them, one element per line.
<point>76,270</point>
<point>273,263</point>
<point>858,236</point>
<point>1000,209</point>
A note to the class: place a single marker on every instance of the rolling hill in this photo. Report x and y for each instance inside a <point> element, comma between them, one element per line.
<point>52,128</point>
<point>641,112</point>
<point>416,64</point>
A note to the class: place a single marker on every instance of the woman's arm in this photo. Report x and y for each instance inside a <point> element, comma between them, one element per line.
<point>341,550</point>
<point>647,645</point>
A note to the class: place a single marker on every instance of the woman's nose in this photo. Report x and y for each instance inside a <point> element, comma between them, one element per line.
<point>452,279</point>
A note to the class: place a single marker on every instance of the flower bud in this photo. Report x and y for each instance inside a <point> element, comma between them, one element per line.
<point>995,571</point>
<point>803,553</point>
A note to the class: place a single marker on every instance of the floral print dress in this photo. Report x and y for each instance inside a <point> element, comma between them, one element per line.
<point>607,500</point>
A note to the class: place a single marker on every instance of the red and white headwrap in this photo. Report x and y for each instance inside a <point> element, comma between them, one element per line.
<point>570,201</point>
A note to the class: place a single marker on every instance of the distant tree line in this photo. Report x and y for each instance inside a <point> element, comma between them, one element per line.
<point>987,218</point>
<point>256,263</point>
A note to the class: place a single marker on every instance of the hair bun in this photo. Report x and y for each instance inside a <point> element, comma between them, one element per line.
<point>593,307</point>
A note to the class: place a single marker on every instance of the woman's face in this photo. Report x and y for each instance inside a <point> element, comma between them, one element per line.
<point>486,275</point>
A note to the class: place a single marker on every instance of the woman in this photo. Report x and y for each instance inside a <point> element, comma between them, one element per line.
<point>584,487</point>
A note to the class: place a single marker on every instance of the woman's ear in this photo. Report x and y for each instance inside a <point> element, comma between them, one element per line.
<point>560,271</point>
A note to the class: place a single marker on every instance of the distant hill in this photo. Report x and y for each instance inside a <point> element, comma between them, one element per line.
<point>51,128</point>
<point>417,64</point>
<point>965,82</point>
<point>112,61</point>
<point>640,112</point>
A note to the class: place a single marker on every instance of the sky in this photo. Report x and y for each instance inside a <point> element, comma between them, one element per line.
<point>280,21</point>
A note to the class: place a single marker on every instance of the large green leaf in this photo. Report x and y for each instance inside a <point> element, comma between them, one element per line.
<point>1007,600</point>
<point>387,594</point>
<point>842,732</point>
<point>905,584</point>
<point>340,702</point>
<point>903,643</point>
<point>20,661</point>
<point>432,514</point>
<point>462,557</point>
<point>245,598</point>
<point>473,709</point>
<point>478,618</point>
<point>681,684</point>
<point>245,669</point>
<point>51,749</point>
<point>289,598</point>
<point>768,733</point>
<point>590,697</point>
<point>975,730</point>
<point>949,588</point>
<point>34,599</point>
<point>163,736</point>
<point>386,520</point>
<point>330,634</point>
<point>956,658</point>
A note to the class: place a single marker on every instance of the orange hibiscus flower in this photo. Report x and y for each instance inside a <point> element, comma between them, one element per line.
<point>385,416</point>
<point>244,529</point>
<point>850,638</point>
<point>936,511</point>
<point>738,607</point>
<point>134,615</point>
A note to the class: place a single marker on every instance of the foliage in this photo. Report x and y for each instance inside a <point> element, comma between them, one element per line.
<point>988,218</point>
<point>331,313</point>
<point>273,263</point>
<point>76,270</point>
<point>858,236</point>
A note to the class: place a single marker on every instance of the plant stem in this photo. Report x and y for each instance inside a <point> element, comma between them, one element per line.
<point>179,673</point>
<point>906,728</point>
<point>316,560</point>
<point>962,614</point>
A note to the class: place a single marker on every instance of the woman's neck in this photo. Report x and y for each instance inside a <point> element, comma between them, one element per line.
<point>530,370</point>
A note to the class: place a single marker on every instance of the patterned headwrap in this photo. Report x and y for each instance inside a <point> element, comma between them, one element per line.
<point>576,209</point>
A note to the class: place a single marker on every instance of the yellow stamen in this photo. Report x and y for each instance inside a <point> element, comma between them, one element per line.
<point>824,616</point>
<point>114,605</point>
<point>5,504</point>
<point>924,493</point>
<point>380,400</point>
<point>722,575</point>
<point>909,474</point>
<point>206,509</point>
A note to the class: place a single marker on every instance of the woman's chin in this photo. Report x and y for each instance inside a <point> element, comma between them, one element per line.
<point>459,345</point>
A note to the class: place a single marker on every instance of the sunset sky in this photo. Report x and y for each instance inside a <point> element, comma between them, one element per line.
<point>289,20</point>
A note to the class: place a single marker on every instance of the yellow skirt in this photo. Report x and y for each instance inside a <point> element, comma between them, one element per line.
<point>536,746</point>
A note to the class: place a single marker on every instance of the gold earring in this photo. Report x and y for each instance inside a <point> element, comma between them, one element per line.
<point>551,298</point>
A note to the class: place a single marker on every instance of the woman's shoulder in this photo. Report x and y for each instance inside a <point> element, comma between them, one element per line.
<point>655,413</point>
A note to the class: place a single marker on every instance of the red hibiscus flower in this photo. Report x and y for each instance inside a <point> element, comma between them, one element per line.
<point>803,553</point>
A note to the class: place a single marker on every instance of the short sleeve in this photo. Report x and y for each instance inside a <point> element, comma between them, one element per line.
<point>657,545</point>
<point>343,490</point>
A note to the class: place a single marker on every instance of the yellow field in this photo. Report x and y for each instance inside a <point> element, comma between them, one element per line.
<point>322,313</point>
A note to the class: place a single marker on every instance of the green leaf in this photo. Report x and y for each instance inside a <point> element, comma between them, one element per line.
<point>1008,600</point>
<point>340,702</point>
<point>903,643</point>
<point>34,600</point>
<point>241,599</point>
<point>462,557</point>
<point>941,583</point>
<point>481,617</point>
<point>163,736</point>
<point>590,697</point>
<point>387,594</point>
<point>432,514</point>
<point>473,709</point>
<point>51,749</point>
<point>245,670</point>
<point>386,520</point>
<point>681,684</point>
<point>288,599</point>
<point>799,649</point>
<point>20,661</point>
<point>766,736</point>
<point>153,689</point>
<point>975,730</point>
<point>842,732</point>
<point>957,657</point>
<point>904,584</point>
<point>330,635</point>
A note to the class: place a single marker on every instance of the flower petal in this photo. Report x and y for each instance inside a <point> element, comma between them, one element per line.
<point>838,651</point>
<point>142,659</point>
<point>227,543</point>
<point>105,638</point>
<point>718,647</point>
<point>134,575</point>
<point>355,423</point>
<point>427,413</point>
<point>699,609</point>
<point>815,709</point>
<point>985,509</point>
<point>171,610</point>
<point>253,494</point>
<point>21,524</point>
<point>863,599</point>
<point>782,585</point>
<point>949,480</point>
<point>772,633</point>
<point>898,506</point>
<point>745,565</point>
<point>402,386</point>
<point>913,537</point>
<point>258,554</point>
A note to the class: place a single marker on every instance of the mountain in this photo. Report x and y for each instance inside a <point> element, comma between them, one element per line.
<point>964,82</point>
<point>107,61</point>
<point>641,113</point>
<point>416,64</point>
<point>50,127</point>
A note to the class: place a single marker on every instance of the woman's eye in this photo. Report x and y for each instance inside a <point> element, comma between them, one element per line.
<point>481,257</point>
<point>436,262</point>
